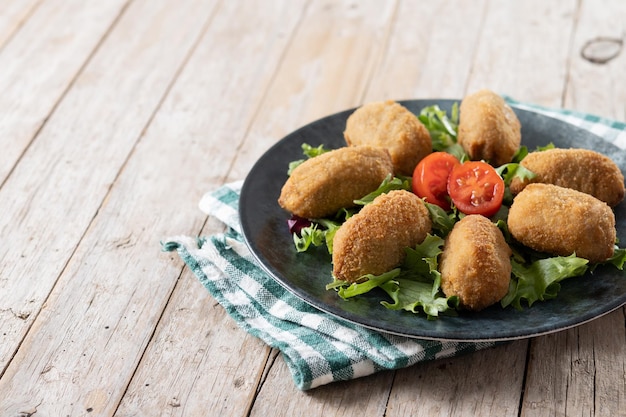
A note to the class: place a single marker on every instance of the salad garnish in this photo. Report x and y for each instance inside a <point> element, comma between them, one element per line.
<point>415,285</point>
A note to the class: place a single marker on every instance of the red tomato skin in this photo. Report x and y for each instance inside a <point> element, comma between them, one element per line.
<point>430,178</point>
<point>476,188</point>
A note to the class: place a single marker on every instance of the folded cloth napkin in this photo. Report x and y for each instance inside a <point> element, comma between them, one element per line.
<point>317,347</point>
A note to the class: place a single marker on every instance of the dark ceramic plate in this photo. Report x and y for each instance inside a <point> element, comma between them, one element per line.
<point>265,229</point>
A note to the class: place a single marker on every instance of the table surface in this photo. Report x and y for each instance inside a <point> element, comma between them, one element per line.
<point>117,116</point>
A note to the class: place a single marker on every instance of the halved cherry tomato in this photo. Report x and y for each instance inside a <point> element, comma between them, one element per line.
<point>430,178</point>
<point>476,188</point>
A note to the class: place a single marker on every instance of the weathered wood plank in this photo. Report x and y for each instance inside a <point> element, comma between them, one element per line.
<point>430,51</point>
<point>40,63</point>
<point>324,71</point>
<point>450,64</point>
<point>579,371</point>
<point>357,398</point>
<point>469,385</point>
<point>14,14</point>
<point>598,88</point>
<point>570,371</point>
<point>94,326</point>
<point>37,68</point>
<point>523,50</point>
<point>219,101</point>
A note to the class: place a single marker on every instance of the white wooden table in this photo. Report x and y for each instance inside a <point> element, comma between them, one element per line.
<point>116,116</point>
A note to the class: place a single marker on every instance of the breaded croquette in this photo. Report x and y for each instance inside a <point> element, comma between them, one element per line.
<point>488,128</point>
<point>475,264</point>
<point>581,169</point>
<point>392,126</point>
<point>373,241</point>
<point>562,221</point>
<point>320,186</point>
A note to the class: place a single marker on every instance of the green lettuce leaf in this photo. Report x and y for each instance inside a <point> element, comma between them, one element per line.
<point>308,151</point>
<point>418,288</point>
<point>443,129</point>
<point>389,184</point>
<point>539,280</point>
<point>618,260</point>
<point>512,170</point>
<point>365,284</point>
<point>416,297</point>
<point>414,287</point>
<point>320,232</point>
<point>443,222</point>
<point>311,235</point>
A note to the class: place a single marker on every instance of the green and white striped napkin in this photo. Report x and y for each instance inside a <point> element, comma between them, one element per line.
<point>317,347</point>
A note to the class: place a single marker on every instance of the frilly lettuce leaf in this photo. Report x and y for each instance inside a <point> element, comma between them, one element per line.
<point>320,232</point>
<point>618,259</point>
<point>415,296</point>
<point>539,280</point>
<point>308,151</point>
<point>414,287</point>
<point>443,129</point>
<point>390,183</point>
<point>443,222</point>
<point>512,170</point>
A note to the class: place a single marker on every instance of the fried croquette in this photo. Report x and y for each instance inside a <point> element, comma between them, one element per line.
<point>581,169</point>
<point>488,128</point>
<point>373,240</point>
<point>475,264</point>
<point>562,221</point>
<point>320,186</point>
<point>391,126</point>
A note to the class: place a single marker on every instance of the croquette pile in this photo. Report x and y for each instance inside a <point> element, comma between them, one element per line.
<point>565,208</point>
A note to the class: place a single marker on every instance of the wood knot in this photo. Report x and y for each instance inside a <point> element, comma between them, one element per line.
<point>602,49</point>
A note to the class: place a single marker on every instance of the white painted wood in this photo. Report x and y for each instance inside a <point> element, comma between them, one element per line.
<point>523,49</point>
<point>108,293</point>
<point>14,14</point>
<point>111,137</point>
<point>206,118</point>
<point>41,62</point>
<point>469,385</point>
<point>37,65</point>
<point>430,51</point>
<point>325,70</point>
<point>579,371</point>
<point>598,88</point>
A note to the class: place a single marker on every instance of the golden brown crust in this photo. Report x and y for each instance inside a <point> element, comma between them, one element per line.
<point>562,221</point>
<point>373,240</point>
<point>488,128</point>
<point>321,186</point>
<point>580,169</point>
<point>391,126</point>
<point>475,264</point>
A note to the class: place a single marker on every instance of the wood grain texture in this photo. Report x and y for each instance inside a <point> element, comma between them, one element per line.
<point>592,87</point>
<point>76,369</point>
<point>37,67</point>
<point>363,397</point>
<point>580,371</point>
<point>117,116</point>
<point>432,389</point>
<point>41,63</point>
<point>14,14</point>
<point>206,115</point>
<point>523,50</point>
<point>424,57</point>
<point>324,70</point>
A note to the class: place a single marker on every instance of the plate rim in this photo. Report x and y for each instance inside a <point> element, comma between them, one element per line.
<point>297,292</point>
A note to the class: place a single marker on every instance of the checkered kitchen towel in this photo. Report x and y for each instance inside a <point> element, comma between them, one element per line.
<point>317,347</point>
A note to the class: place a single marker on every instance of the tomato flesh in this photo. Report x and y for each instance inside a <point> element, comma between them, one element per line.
<point>430,178</point>
<point>476,188</point>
